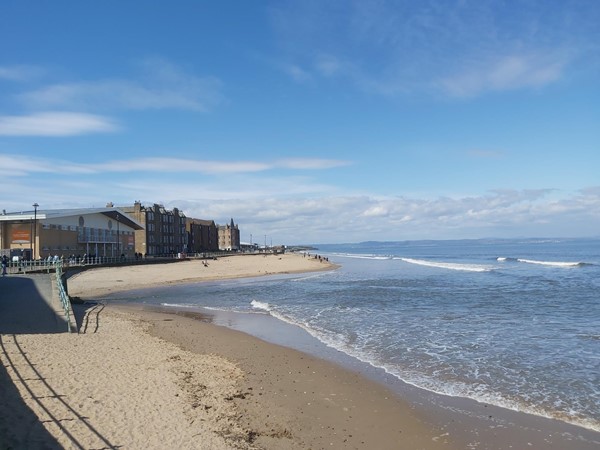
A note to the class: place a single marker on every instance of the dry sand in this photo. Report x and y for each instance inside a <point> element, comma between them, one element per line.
<point>102,281</point>
<point>114,386</point>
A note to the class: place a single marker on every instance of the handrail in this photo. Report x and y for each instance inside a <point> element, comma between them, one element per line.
<point>64,297</point>
<point>48,264</point>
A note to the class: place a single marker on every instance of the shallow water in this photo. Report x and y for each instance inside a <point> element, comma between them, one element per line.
<point>510,323</point>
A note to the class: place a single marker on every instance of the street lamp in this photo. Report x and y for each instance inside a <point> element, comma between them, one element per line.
<point>35,207</point>
<point>118,239</point>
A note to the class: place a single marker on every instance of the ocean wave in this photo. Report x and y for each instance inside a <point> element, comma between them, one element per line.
<point>431,383</point>
<point>455,388</point>
<point>216,308</point>
<point>359,256</point>
<point>551,263</point>
<point>178,305</point>
<point>264,306</point>
<point>504,259</point>
<point>545,263</point>
<point>450,266</point>
<point>485,395</point>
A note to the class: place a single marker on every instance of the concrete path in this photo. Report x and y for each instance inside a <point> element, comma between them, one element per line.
<point>29,304</point>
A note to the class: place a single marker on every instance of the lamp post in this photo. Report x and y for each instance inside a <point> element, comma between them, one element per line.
<point>118,239</point>
<point>35,207</point>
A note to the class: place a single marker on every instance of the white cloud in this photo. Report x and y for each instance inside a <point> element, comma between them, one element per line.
<point>296,72</point>
<point>375,211</point>
<point>19,73</point>
<point>308,163</point>
<point>55,124</point>
<point>393,48</point>
<point>161,86</point>
<point>162,165</point>
<point>328,65</point>
<point>508,73</point>
<point>302,209</point>
<point>359,218</point>
<point>20,166</point>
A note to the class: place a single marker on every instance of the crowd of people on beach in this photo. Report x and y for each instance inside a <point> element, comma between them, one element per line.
<point>319,257</point>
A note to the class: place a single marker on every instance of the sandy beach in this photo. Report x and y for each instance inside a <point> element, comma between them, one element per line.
<point>138,377</point>
<point>103,281</point>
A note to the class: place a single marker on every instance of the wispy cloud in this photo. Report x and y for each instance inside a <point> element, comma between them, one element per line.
<point>508,73</point>
<point>398,47</point>
<point>162,85</point>
<point>314,163</point>
<point>296,72</point>
<point>20,166</point>
<point>19,73</point>
<point>329,65</point>
<point>55,124</point>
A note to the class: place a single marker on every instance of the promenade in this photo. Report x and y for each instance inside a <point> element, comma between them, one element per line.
<point>29,306</point>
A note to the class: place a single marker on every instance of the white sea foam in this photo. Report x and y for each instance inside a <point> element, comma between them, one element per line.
<point>357,256</point>
<point>450,266</point>
<point>264,306</point>
<point>430,383</point>
<point>215,308</point>
<point>261,305</point>
<point>433,384</point>
<point>178,305</point>
<point>550,263</point>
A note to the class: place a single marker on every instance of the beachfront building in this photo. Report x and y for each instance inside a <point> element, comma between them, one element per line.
<point>202,235</point>
<point>40,233</point>
<point>164,231</point>
<point>229,237</point>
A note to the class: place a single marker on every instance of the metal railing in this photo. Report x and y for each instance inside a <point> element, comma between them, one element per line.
<point>62,293</point>
<point>49,264</point>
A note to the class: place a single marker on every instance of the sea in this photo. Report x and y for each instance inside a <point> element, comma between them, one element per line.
<point>512,323</point>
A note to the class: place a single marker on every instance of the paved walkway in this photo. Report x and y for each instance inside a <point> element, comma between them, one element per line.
<point>29,305</point>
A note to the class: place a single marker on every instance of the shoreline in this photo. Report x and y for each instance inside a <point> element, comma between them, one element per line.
<point>458,422</point>
<point>291,399</point>
<point>236,390</point>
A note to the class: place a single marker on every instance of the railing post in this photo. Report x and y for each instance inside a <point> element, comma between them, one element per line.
<point>64,298</point>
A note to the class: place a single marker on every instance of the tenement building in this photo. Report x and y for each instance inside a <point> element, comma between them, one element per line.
<point>164,231</point>
<point>203,235</point>
<point>229,237</point>
<point>43,233</point>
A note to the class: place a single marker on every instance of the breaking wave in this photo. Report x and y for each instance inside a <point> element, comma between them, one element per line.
<point>450,266</point>
<point>544,263</point>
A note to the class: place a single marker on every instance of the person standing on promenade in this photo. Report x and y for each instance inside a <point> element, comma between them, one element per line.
<point>4,264</point>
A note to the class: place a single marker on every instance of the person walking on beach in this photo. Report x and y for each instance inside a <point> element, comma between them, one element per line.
<point>4,264</point>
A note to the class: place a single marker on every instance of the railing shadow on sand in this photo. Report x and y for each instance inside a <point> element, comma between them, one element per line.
<point>57,413</point>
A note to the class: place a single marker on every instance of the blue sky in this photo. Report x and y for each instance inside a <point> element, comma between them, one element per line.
<point>309,121</point>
